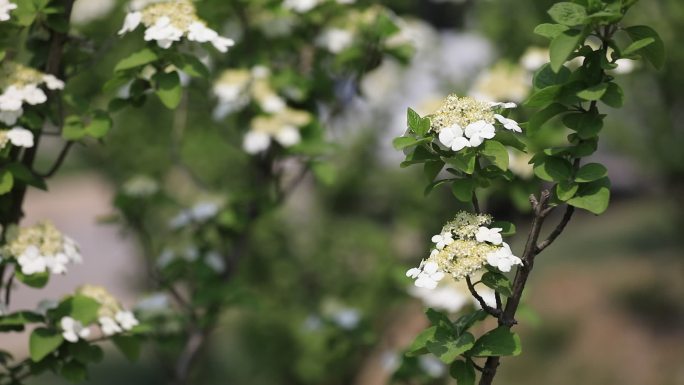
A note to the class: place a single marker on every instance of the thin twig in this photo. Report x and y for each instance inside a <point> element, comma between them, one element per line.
<point>569,210</point>
<point>58,162</point>
<point>480,300</point>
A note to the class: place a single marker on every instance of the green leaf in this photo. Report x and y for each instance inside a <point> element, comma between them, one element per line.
<point>403,142</point>
<point>447,347</point>
<point>99,125</point>
<point>420,126</point>
<point>463,161</point>
<point>553,169</point>
<point>510,139</point>
<point>432,168</point>
<point>546,77</point>
<point>614,97</point>
<point>594,92</point>
<point>20,318</point>
<point>463,372</point>
<point>81,308</point>
<point>429,188</point>
<point>38,280</point>
<point>587,125</point>
<point>439,319</point>
<point>550,30</point>
<point>418,347</point>
<point>137,59</point>
<point>74,371</point>
<point>463,189</point>
<point>567,13</point>
<point>590,172</point>
<point>593,196</point>
<point>653,52</point>
<point>128,345</point>
<point>73,128</point>
<point>498,282</point>
<point>194,67</point>
<point>44,341</point>
<point>637,45</point>
<point>538,120</point>
<point>566,190</point>
<point>22,173</point>
<point>85,352</point>
<point>464,322</point>
<point>498,342</point>
<point>168,88</point>
<point>496,153</point>
<point>543,97</point>
<point>562,46</point>
<point>6,181</point>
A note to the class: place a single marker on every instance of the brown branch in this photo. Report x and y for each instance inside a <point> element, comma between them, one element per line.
<point>58,162</point>
<point>494,312</point>
<point>569,210</point>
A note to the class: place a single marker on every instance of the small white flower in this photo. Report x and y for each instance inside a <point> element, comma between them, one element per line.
<point>503,259</point>
<point>272,104</point>
<point>288,136</point>
<point>222,43</point>
<point>430,276</point>
<point>57,263</point>
<point>52,83</point>
<point>335,40</point>
<point>347,318</point>
<point>432,366</point>
<point>33,95</point>
<point>203,211</point>
<point>508,124</point>
<point>492,235</point>
<point>163,32</point>
<point>126,319</point>
<point>20,137</point>
<point>300,6</point>
<point>507,105</point>
<point>109,326</point>
<point>442,240</point>
<point>5,7</point>
<point>131,22</point>
<point>624,66</point>
<point>452,137</point>
<point>215,262</point>
<point>10,117</point>
<point>31,261</point>
<point>201,33</point>
<point>256,142</point>
<point>478,131</point>
<point>11,99</point>
<point>73,330</point>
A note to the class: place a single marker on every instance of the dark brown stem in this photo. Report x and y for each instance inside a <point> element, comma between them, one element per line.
<point>494,312</point>
<point>58,162</point>
<point>569,210</point>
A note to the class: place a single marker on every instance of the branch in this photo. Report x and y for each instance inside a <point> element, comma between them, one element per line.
<point>494,312</point>
<point>569,210</point>
<point>58,162</point>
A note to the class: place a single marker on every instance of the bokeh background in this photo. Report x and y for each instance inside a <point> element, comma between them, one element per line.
<point>322,295</point>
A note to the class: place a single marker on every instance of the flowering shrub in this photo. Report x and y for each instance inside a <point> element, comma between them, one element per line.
<point>460,145</point>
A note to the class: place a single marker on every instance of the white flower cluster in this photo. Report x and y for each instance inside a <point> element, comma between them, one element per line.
<point>235,89</point>
<point>465,122</point>
<point>74,330</point>
<point>41,248</point>
<point>140,186</point>
<point>21,85</point>
<point>112,318</point>
<point>167,22</point>
<point>463,246</point>
<point>18,136</point>
<point>5,7</point>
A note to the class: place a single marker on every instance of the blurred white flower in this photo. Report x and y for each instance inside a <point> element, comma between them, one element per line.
<point>163,32</point>
<point>346,318</point>
<point>126,319</point>
<point>73,330</point>
<point>215,261</point>
<point>85,11</point>
<point>42,248</point>
<point>300,6</point>
<point>140,186</point>
<point>5,7</point>
<point>624,66</point>
<point>534,58</point>
<point>256,142</point>
<point>131,22</point>
<point>431,366</point>
<point>20,137</point>
<point>519,164</point>
<point>109,326</point>
<point>335,40</point>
